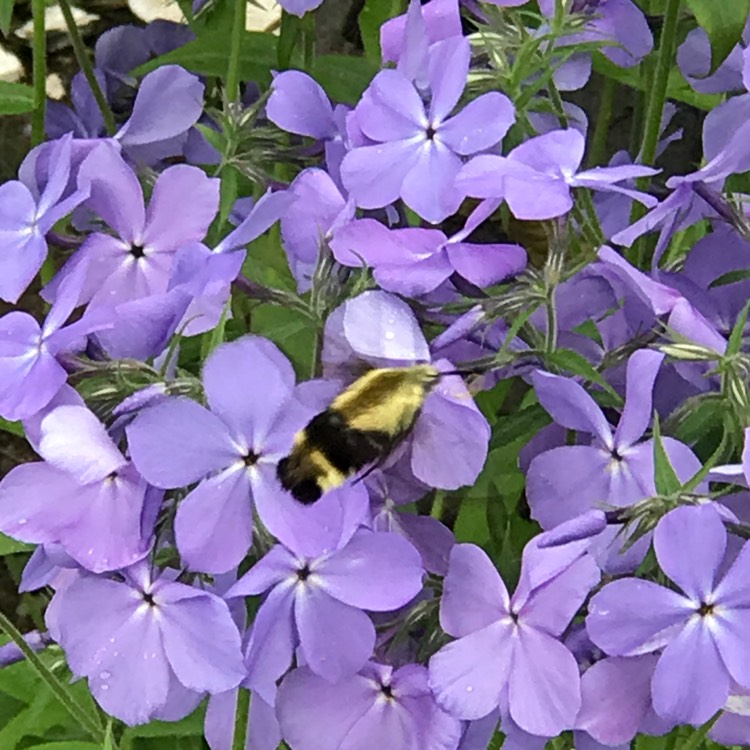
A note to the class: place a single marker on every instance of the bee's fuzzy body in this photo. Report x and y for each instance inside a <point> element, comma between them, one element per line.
<point>360,427</point>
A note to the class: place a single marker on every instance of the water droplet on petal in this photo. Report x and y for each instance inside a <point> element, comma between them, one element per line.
<point>104,675</point>
<point>91,551</point>
<point>104,687</point>
<point>469,688</point>
<point>22,521</point>
<point>390,335</point>
<point>112,640</point>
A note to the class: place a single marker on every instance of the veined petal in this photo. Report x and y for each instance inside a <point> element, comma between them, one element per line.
<point>643,367</point>
<point>448,71</point>
<point>428,187</point>
<point>299,105</point>
<point>482,123</point>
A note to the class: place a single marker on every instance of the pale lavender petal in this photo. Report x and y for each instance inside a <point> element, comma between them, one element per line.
<point>391,110</point>
<point>251,364</point>
<point>272,642</point>
<point>177,442</point>
<point>484,265</point>
<point>74,440</point>
<point>201,640</point>
<point>335,639</point>
<point>214,523</point>
<point>466,683</point>
<point>179,188</point>
<point>298,104</point>
<point>428,188</point>
<point>168,86</point>
<point>632,616</point>
<point>21,259</point>
<point>463,132</point>
<point>449,68</point>
<point>690,660</point>
<point>373,175</point>
<point>378,571</point>
<point>115,193</point>
<point>730,636</point>
<point>474,595</point>
<point>35,502</point>
<point>378,324</point>
<point>266,212</point>
<point>690,323</point>
<point>616,696</point>
<point>304,697</point>
<point>558,152</point>
<point>689,544</point>
<point>450,425</point>
<point>643,367</point>
<point>432,539</point>
<point>277,565</point>
<point>570,406</point>
<point>583,526</point>
<point>550,608</point>
<point>544,684</point>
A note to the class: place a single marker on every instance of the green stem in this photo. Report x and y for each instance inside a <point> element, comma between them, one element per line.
<point>240,719</point>
<point>308,36</point>
<point>87,722</point>
<point>697,738</point>
<point>87,68</point>
<point>235,42</point>
<point>39,71</point>
<point>592,218</point>
<point>655,109</point>
<point>603,122</point>
<point>550,337</point>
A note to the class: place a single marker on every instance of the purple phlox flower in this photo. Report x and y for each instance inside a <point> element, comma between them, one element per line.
<point>545,122</point>
<point>415,261</point>
<point>379,707</point>
<point>30,370</point>
<point>298,104</point>
<point>145,137</point>
<point>588,524</point>
<point>694,61</point>
<point>618,21</point>
<point>85,495</point>
<point>232,450</point>
<point>429,536</point>
<point>616,469</point>
<point>144,643</point>
<point>422,26</point>
<point>318,211</point>
<point>690,324</point>
<point>26,219</point>
<point>696,196</point>
<point>49,565</point>
<point>702,631</point>
<point>417,151</point>
<point>508,654</point>
<point>207,275</point>
<point>448,444</point>
<point>536,177</point>
<point>262,733</point>
<point>735,473</point>
<point>137,260</point>
<point>316,600</point>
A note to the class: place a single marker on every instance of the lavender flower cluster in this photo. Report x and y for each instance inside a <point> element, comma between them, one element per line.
<point>182,570</point>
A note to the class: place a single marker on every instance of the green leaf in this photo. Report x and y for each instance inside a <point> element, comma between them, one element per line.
<point>735,338</point>
<point>10,546</point>
<point>372,16</point>
<point>209,56</point>
<point>15,98</point>
<point>291,330</point>
<point>577,364</point>
<point>65,745</point>
<point>6,15</point>
<point>15,428</point>
<point>522,425</point>
<point>724,23</point>
<point>344,77</point>
<point>289,33</point>
<point>665,478</point>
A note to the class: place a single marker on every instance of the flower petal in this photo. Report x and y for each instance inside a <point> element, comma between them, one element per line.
<point>482,123</point>
<point>428,188</point>
<point>335,639</point>
<point>449,68</point>
<point>177,442</point>
<point>299,105</point>
<point>643,367</point>
<point>378,571</point>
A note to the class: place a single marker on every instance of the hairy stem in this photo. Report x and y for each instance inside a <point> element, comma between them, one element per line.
<point>39,52</point>
<point>233,70</point>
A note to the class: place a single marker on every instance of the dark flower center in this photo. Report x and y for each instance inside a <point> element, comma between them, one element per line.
<point>387,691</point>
<point>705,609</point>
<point>149,599</point>
<point>430,132</point>
<point>615,454</point>
<point>303,573</point>
<point>250,459</point>
<point>137,251</point>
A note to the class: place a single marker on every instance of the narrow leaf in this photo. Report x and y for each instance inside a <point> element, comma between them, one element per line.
<point>6,15</point>
<point>577,364</point>
<point>15,428</point>
<point>738,331</point>
<point>15,98</point>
